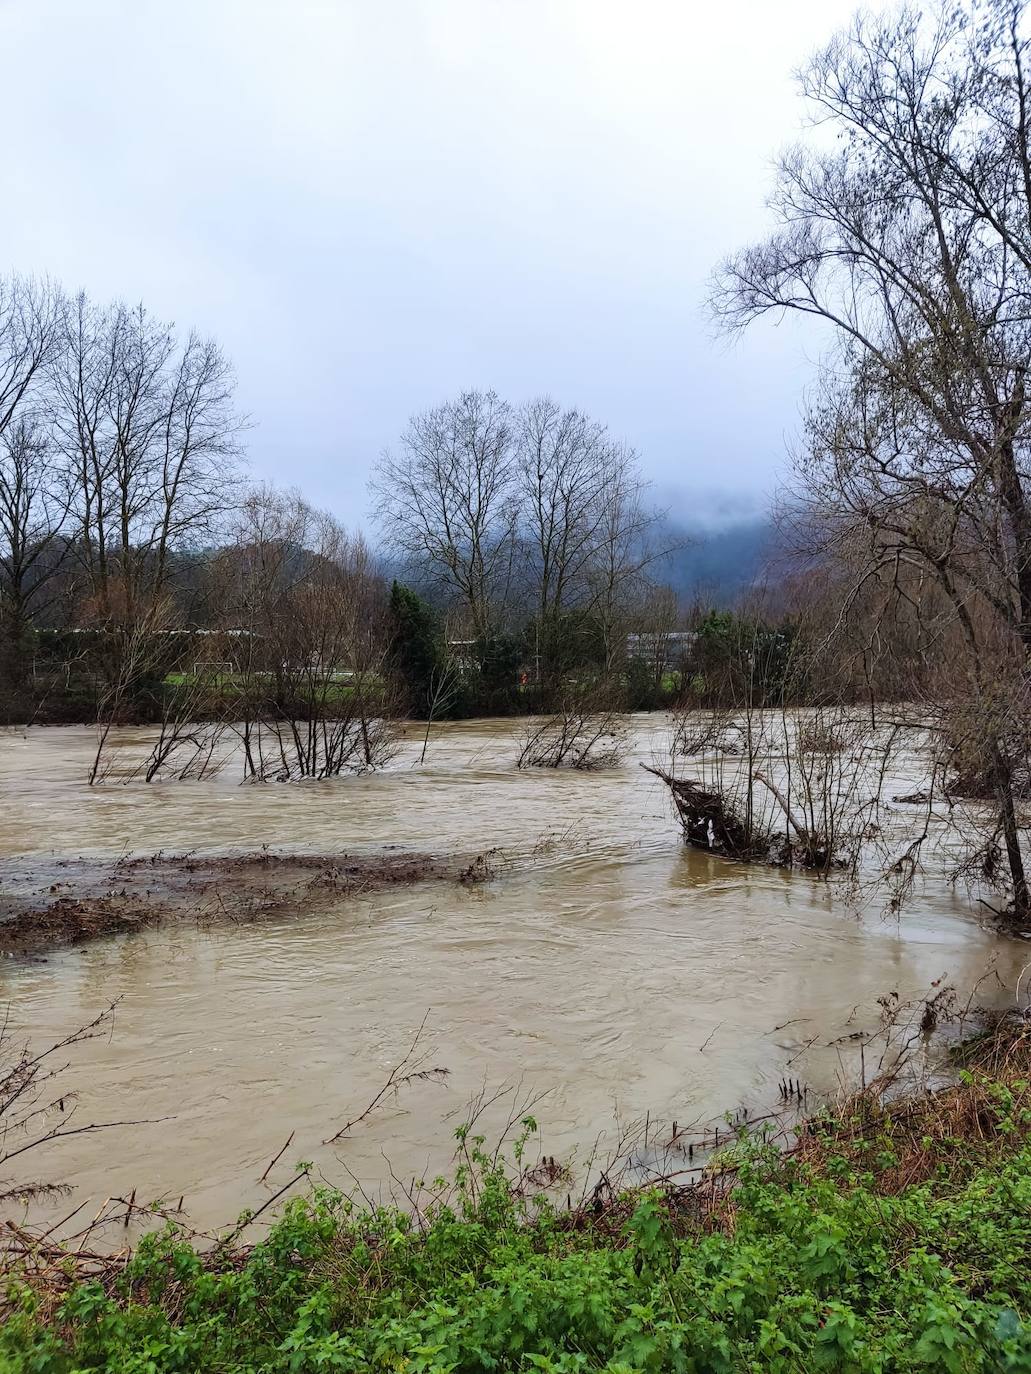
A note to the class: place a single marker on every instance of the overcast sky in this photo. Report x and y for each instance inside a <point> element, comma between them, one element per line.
<point>374,204</point>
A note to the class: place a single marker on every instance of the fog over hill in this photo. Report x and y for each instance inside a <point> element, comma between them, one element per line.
<point>715,563</point>
<point>710,563</point>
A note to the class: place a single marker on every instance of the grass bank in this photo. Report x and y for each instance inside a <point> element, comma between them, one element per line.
<point>887,1237</point>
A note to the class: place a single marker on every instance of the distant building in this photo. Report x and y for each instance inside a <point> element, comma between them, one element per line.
<point>663,649</point>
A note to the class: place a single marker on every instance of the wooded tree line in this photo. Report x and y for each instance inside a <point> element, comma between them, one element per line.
<point>521,538</point>
<point>123,531</point>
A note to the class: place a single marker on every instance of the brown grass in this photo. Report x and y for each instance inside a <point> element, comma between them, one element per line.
<point>949,1132</point>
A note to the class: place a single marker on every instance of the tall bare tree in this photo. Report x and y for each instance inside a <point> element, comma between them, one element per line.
<point>304,612</point>
<point>148,426</point>
<point>33,499</point>
<point>910,235</point>
<point>582,520</point>
<point>626,549</point>
<point>31,316</point>
<point>446,500</point>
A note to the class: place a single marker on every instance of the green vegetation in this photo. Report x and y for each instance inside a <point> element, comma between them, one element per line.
<point>416,644</point>
<point>67,676</point>
<point>888,1239</point>
<point>741,658</point>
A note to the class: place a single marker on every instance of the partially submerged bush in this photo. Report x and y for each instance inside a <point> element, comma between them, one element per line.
<point>577,737</point>
<point>786,787</point>
<point>704,732</point>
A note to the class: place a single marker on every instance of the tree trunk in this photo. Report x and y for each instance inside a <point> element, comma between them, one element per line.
<point>1014,499</point>
<point>1011,832</point>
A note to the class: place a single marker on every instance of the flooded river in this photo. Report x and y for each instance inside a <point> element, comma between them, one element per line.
<point>606,966</point>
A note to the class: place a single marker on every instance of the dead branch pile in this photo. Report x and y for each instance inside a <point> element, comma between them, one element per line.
<point>791,788</point>
<point>710,821</point>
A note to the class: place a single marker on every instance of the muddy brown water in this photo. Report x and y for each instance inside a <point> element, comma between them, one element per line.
<point>606,967</point>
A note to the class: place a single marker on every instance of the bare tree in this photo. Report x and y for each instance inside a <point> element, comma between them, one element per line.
<point>31,315</point>
<point>625,551</point>
<point>134,649</point>
<point>563,462</point>
<point>656,616</point>
<point>442,690</point>
<point>304,611</point>
<point>254,577</point>
<point>149,429</point>
<point>332,638</point>
<point>911,237</point>
<point>33,500</point>
<point>446,501</point>
<point>582,521</point>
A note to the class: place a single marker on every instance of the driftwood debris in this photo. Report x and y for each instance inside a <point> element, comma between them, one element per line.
<point>709,823</point>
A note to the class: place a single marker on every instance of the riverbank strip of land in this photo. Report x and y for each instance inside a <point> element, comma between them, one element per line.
<point>888,1235</point>
<point>48,902</point>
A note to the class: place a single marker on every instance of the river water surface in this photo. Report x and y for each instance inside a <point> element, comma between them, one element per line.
<point>606,966</point>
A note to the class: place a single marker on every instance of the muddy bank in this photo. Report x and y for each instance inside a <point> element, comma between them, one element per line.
<point>68,901</point>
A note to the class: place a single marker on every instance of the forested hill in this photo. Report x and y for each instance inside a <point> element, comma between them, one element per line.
<point>716,563</point>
